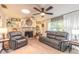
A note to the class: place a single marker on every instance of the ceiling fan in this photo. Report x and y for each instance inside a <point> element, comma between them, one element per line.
<point>4,6</point>
<point>43,11</point>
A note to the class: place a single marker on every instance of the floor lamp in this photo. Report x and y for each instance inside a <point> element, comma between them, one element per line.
<point>3,31</point>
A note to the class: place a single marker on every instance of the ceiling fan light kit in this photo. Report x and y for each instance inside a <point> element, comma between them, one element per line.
<point>42,14</point>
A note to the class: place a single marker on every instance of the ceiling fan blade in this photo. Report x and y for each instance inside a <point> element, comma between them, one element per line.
<point>49,13</point>
<point>37,9</point>
<point>50,7</point>
<point>36,13</point>
<point>3,6</point>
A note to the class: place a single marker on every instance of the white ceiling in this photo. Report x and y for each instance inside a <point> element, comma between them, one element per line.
<point>14,10</point>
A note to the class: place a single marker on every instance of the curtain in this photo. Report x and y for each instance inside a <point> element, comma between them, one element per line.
<point>49,26</point>
<point>71,22</point>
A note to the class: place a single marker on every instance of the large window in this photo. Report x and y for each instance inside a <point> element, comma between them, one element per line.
<point>56,24</point>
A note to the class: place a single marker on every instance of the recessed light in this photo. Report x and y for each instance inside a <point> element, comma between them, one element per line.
<point>25,11</point>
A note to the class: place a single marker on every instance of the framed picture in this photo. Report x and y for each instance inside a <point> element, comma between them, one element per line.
<point>13,22</point>
<point>38,22</point>
<point>29,22</point>
<point>42,25</point>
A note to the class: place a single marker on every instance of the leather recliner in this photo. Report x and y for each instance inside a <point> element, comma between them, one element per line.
<point>16,40</point>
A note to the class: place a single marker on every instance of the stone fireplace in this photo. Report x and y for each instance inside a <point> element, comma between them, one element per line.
<point>28,31</point>
<point>32,26</point>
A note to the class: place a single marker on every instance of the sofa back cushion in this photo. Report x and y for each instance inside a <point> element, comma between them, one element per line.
<point>60,38</point>
<point>16,37</point>
<point>12,34</point>
<point>57,35</point>
<point>63,34</point>
<point>51,34</point>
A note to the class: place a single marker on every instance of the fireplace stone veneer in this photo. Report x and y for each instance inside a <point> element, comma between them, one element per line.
<point>28,31</point>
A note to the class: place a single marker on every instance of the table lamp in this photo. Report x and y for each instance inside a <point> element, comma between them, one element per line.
<point>3,31</point>
<point>76,33</point>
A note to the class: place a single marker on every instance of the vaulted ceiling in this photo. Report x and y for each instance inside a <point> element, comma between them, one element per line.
<point>14,10</point>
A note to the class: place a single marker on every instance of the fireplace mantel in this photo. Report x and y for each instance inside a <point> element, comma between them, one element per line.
<point>28,28</point>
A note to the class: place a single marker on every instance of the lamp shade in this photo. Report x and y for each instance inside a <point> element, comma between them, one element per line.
<point>75,32</point>
<point>3,30</point>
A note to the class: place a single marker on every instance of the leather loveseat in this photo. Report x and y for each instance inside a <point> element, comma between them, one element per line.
<point>55,39</point>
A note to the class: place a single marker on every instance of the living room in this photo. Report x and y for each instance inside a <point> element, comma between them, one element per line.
<point>39,28</point>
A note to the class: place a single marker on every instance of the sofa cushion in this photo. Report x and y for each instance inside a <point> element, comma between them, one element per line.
<point>46,39</point>
<point>16,37</point>
<point>64,34</point>
<point>51,36</point>
<point>15,33</point>
<point>53,41</point>
<point>21,40</point>
<point>51,33</point>
<point>60,38</point>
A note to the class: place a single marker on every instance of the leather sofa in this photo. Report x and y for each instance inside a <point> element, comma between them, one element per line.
<point>16,40</point>
<point>55,39</point>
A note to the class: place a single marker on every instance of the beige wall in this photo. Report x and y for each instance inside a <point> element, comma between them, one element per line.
<point>43,21</point>
<point>2,18</point>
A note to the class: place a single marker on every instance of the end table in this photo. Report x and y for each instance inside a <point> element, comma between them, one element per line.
<point>75,43</point>
<point>3,48</point>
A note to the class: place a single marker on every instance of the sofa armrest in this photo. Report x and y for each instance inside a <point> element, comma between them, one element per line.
<point>64,45</point>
